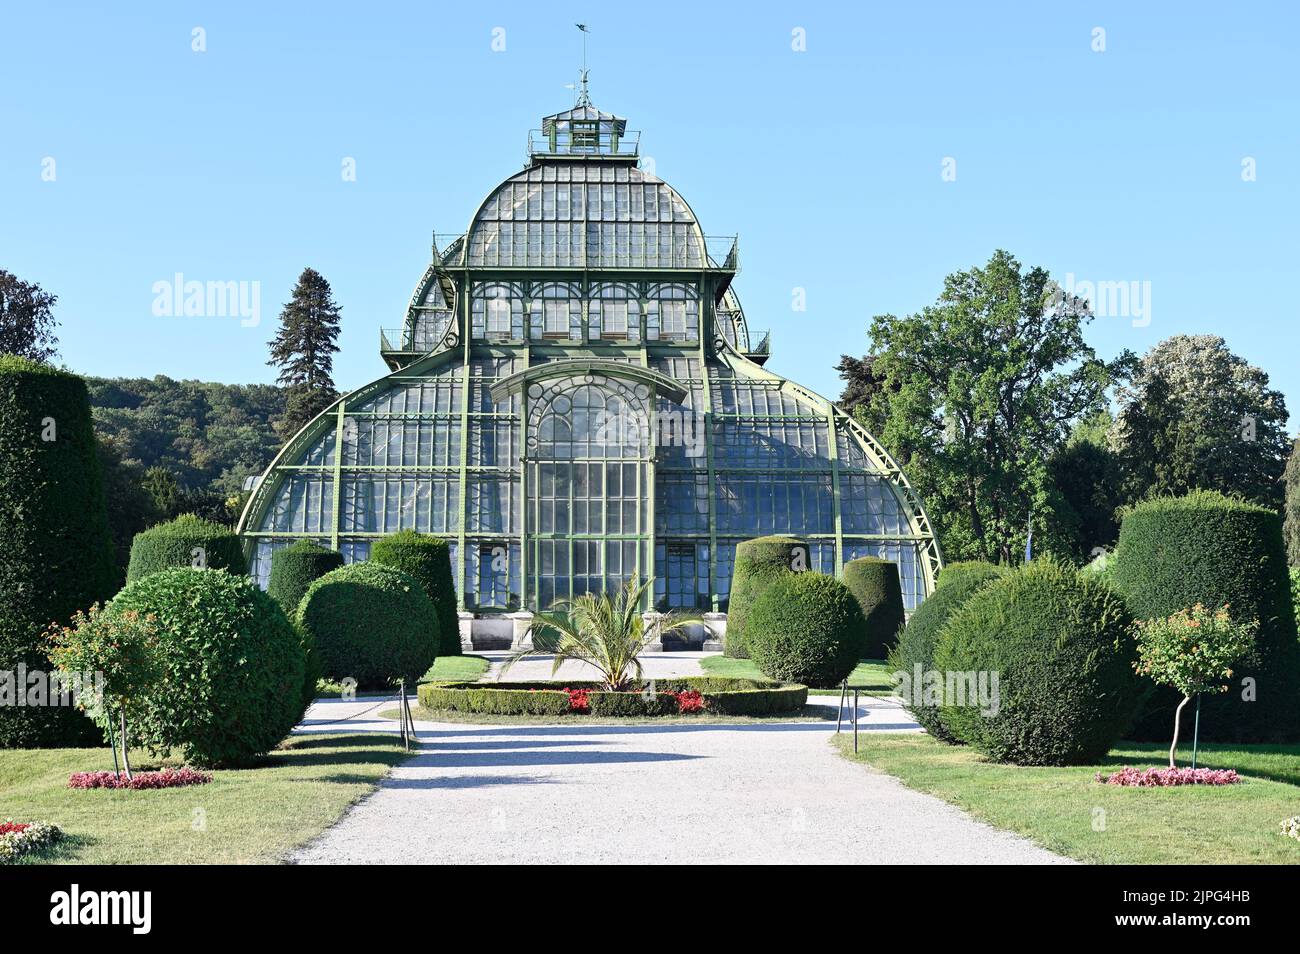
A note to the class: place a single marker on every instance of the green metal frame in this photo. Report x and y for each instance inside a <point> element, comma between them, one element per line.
<point>730,349</point>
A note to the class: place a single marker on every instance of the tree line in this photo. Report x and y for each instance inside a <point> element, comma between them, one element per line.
<point>1008,423</point>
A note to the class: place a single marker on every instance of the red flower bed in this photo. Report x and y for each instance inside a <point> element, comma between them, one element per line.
<point>167,778</point>
<point>690,700</point>
<point>578,701</point>
<point>12,828</point>
<point>1167,777</point>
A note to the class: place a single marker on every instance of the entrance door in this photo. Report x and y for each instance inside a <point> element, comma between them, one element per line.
<point>588,482</point>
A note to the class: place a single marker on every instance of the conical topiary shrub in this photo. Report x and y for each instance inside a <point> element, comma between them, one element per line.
<point>428,559</point>
<point>758,562</point>
<point>56,552</point>
<point>295,568</point>
<point>187,541</point>
<point>876,584</point>
<point>1175,552</point>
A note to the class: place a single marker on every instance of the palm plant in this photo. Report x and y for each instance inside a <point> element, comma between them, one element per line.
<point>607,633</point>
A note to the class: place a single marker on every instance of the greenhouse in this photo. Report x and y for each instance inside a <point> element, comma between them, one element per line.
<point>575,398</point>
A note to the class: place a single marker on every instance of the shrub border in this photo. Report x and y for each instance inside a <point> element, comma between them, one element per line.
<point>722,696</point>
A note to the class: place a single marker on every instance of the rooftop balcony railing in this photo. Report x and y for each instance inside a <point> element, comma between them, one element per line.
<point>720,253</point>
<point>582,142</point>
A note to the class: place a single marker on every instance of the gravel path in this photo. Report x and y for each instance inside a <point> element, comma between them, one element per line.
<point>664,794</point>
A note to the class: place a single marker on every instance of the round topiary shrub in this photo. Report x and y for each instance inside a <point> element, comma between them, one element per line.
<point>913,656</point>
<point>295,568</point>
<point>1061,650</point>
<point>187,541</point>
<point>876,584</point>
<point>806,628</point>
<point>56,552</point>
<point>232,666</point>
<point>370,623</point>
<point>428,559</point>
<point>757,563</point>
<point>1175,552</point>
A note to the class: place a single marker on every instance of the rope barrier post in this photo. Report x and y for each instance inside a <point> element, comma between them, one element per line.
<point>839,714</point>
<point>855,718</point>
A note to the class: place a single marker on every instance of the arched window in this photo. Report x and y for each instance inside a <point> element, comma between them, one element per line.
<point>673,313</point>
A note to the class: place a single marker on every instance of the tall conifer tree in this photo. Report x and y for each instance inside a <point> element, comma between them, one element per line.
<point>304,351</point>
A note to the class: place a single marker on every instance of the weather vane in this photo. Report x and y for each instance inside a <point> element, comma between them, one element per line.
<point>583,98</point>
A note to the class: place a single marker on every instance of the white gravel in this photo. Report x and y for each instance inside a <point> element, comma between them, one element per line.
<point>662,794</point>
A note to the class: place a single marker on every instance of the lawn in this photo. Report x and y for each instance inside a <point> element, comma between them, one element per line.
<point>243,816</point>
<point>467,668</point>
<point>1065,810</point>
<point>872,675</point>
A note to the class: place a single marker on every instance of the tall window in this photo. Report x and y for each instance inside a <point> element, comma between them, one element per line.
<point>555,315</point>
<point>498,318</point>
<point>672,315</point>
<point>613,319</point>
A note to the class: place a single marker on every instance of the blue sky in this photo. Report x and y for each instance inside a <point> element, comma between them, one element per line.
<point>225,165</point>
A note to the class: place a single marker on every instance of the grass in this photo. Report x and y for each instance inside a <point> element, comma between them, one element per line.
<point>872,675</point>
<point>1062,808</point>
<point>243,816</point>
<point>810,713</point>
<point>468,668</point>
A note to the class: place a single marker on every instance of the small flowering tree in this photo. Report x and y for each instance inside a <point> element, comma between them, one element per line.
<point>1193,651</point>
<point>120,646</point>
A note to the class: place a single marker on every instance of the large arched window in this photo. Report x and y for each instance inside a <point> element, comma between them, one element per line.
<point>497,312</point>
<point>614,312</point>
<point>556,312</point>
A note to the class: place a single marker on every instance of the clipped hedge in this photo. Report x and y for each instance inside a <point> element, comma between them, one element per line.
<point>295,568</point>
<point>187,541</point>
<point>806,628</point>
<point>914,654</point>
<point>427,559</point>
<point>879,591</point>
<point>233,667</point>
<point>371,623</point>
<point>56,551</point>
<point>757,563</point>
<point>1206,548</point>
<point>1062,649</point>
<point>722,696</point>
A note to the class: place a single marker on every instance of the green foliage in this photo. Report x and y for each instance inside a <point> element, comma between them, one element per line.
<point>1175,552</point>
<point>26,319</point>
<point>1061,647</point>
<point>1086,481</point>
<point>428,559</point>
<point>122,647</point>
<point>875,583</point>
<point>606,633</point>
<point>1197,416</point>
<point>187,541</point>
<point>371,623</point>
<point>303,350</point>
<point>1194,649</point>
<point>130,509</point>
<point>1291,505</point>
<point>232,666</point>
<point>57,555</point>
<point>295,568</point>
<point>979,391</point>
<point>1295,592</point>
<point>757,563</point>
<point>958,582</point>
<point>806,628</point>
<point>210,436</point>
<point>722,696</point>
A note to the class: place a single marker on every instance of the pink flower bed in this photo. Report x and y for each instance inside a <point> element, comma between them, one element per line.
<point>167,778</point>
<point>1166,777</point>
